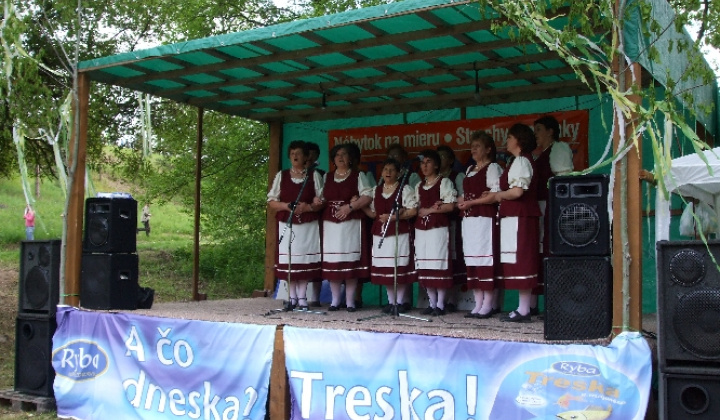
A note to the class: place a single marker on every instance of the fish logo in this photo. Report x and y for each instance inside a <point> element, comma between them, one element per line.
<point>590,413</point>
<point>564,401</point>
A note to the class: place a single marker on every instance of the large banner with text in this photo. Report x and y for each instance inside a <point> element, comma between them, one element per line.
<point>374,141</point>
<point>355,375</point>
<point>122,366</point>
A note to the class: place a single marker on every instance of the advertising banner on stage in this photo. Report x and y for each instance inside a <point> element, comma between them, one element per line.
<point>374,141</point>
<point>122,366</point>
<point>355,375</point>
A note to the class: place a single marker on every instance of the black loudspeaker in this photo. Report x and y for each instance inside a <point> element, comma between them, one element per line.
<point>578,298</point>
<point>578,215</point>
<point>34,373</point>
<point>109,281</point>
<point>688,305</point>
<point>684,397</point>
<point>110,225</point>
<point>39,277</point>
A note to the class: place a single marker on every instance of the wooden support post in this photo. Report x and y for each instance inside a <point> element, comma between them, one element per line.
<point>270,223</point>
<point>627,222</point>
<point>74,214</point>
<point>279,391</point>
<point>196,240</point>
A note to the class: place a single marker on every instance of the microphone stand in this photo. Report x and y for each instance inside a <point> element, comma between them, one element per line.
<point>288,224</point>
<point>395,310</point>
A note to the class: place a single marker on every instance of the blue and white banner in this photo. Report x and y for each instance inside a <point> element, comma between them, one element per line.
<point>123,366</point>
<point>372,376</point>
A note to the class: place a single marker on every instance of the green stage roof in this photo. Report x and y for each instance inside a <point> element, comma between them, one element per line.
<point>401,57</point>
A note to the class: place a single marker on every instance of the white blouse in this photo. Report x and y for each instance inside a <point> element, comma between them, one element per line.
<point>274,193</point>
<point>492,179</point>
<point>520,173</point>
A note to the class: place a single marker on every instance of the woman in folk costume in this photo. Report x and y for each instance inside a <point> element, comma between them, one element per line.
<point>297,257</point>
<point>480,233</point>
<point>519,221</point>
<point>384,258</point>
<point>555,158</point>
<point>447,162</point>
<point>345,193</point>
<point>435,198</point>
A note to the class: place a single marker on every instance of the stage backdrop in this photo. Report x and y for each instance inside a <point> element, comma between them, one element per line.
<point>374,141</point>
<point>122,366</point>
<point>355,375</point>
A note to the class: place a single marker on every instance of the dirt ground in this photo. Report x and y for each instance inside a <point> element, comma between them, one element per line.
<point>8,312</point>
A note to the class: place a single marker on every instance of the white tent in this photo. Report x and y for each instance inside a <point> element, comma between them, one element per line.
<point>690,176</point>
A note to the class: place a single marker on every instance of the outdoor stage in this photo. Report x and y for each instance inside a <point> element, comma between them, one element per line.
<point>337,365</point>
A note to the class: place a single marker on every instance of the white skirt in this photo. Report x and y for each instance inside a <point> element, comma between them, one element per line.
<point>385,256</point>
<point>341,241</point>
<point>477,241</point>
<point>303,241</point>
<point>431,248</point>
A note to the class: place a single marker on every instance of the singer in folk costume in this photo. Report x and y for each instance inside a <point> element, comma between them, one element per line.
<point>480,231</point>
<point>346,193</point>
<point>435,198</point>
<point>394,239</point>
<point>519,221</point>
<point>303,238</point>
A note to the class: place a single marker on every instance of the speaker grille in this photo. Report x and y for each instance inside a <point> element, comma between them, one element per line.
<point>578,298</point>
<point>33,361</point>
<point>578,225</point>
<point>39,277</point>
<point>687,267</point>
<point>697,323</point>
<point>98,231</point>
<point>37,288</point>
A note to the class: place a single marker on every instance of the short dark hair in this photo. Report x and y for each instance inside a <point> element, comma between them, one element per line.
<point>432,154</point>
<point>549,122</point>
<point>525,137</point>
<point>353,151</point>
<point>313,147</point>
<point>398,147</point>
<point>487,141</point>
<point>447,149</point>
<point>393,162</point>
<point>298,144</point>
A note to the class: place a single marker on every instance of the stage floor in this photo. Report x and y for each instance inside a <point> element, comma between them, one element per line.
<point>263,311</point>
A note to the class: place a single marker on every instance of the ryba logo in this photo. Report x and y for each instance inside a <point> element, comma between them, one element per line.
<point>576,368</point>
<point>80,360</point>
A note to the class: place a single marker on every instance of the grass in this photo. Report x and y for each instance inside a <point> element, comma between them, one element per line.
<point>165,260</point>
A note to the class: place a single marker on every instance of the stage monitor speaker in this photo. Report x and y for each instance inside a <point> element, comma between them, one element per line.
<point>39,277</point>
<point>688,304</point>
<point>578,215</point>
<point>109,281</point>
<point>110,225</point>
<point>578,298</point>
<point>34,373</point>
<point>690,396</point>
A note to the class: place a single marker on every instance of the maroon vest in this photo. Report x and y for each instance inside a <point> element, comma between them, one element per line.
<point>527,204</point>
<point>428,198</point>
<point>473,187</point>
<point>542,166</point>
<point>384,206</point>
<point>289,192</point>
<point>338,194</point>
